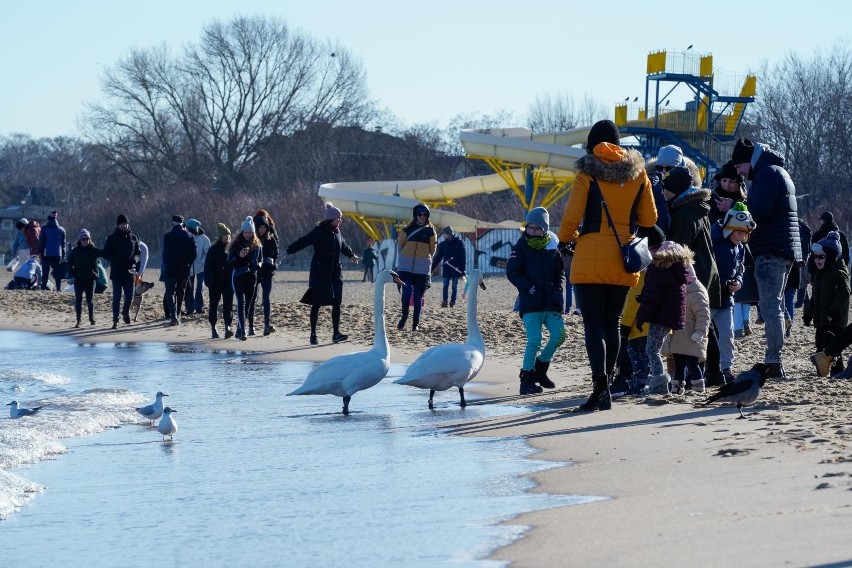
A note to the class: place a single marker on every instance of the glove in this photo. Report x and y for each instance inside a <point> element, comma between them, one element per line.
<point>697,337</point>
<point>532,290</point>
<point>640,325</point>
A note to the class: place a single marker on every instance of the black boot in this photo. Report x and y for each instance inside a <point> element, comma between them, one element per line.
<point>541,374</point>
<point>402,320</point>
<point>600,398</point>
<point>215,334</point>
<point>528,385</point>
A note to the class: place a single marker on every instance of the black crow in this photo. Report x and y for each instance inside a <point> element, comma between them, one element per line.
<point>745,390</point>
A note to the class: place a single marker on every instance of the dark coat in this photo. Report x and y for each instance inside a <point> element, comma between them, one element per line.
<point>542,269</point>
<point>270,256</point>
<point>178,254</point>
<point>690,226</point>
<point>663,299</point>
<point>244,265</point>
<point>217,272</point>
<point>772,204</point>
<point>452,257</point>
<point>326,276</point>
<point>83,262</point>
<point>122,251</point>
<point>829,303</point>
<point>51,241</point>
<point>729,261</point>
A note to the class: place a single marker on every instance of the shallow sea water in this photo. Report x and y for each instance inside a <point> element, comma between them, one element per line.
<point>253,478</point>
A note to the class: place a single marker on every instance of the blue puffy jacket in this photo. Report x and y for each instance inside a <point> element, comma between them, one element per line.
<point>52,239</point>
<point>772,204</point>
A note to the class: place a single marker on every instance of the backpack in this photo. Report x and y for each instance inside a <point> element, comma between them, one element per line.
<point>32,232</point>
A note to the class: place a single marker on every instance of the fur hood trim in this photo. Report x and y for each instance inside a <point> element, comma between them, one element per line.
<point>689,164</point>
<point>630,166</point>
<point>678,254</point>
<point>691,195</point>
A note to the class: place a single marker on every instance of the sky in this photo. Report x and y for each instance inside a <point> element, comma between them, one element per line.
<point>426,62</point>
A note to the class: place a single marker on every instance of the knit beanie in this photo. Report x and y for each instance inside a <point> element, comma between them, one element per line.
<point>420,208</point>
<point>743,151</point>
<point>737,219</point>
<point>655,235</point>
<point>729,171</point>
<point>122,218</point>
<point>829,245</point>
<point>540,217</point>
<point>248,225</point>
<point>602,131</point>
<point>670,156</point>
<point>193,224</point>
<point>84,233</point>
<point>678,180</point>
<point>177,219</point>
<point>222,230</point>
<point>827,216</point>
<point>260,221</point>
<point>332,212</point>
<point>447,231</point>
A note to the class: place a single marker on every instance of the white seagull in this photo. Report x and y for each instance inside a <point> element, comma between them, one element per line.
<point>347,374</point>
<point>154,410</point>
<point>167,425</point>
<point>16,412</point>
<point>451,364</point>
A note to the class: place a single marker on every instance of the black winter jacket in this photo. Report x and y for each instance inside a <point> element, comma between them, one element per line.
<point>326,277</point>
<point>217,271</point>
<point>122,251</point>
<point>543,270</point>
<point>452,257</point>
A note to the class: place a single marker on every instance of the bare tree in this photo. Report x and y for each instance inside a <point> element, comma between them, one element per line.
<point>556,113</point>
<point>802,110</point>
<point>200,118</point>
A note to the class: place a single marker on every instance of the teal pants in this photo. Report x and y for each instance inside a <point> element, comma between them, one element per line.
<point>533,322</point>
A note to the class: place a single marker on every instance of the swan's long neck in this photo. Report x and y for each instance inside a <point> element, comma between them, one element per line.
<point>474,337</point>
<point>380,339</point>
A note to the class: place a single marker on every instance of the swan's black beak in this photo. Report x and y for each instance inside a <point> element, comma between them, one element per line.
<point>482,284</point>
<point>397,280</point>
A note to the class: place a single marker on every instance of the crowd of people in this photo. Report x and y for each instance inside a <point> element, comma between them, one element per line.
<point>712,252</point>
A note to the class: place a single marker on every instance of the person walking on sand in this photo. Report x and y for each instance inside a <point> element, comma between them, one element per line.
<point>269,242</point>
<point>538,272</point>
<point>325,281</point>
<point>417,243</point>
<point>194,300</point>
<point>177,258</point>
<point>828,309</point>
<point>51,247</point>
<point>663,306</point>
<point>613,175</point>
<point>217,278</point>
<point>122,251</point>
<point>452,258</point>
<point>245,255</point>
<point>83,268</point>
<point>368,259</point>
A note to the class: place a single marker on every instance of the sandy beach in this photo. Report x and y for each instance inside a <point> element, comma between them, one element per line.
<point>685,484</point>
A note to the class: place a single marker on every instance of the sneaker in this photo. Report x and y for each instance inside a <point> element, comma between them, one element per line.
<point>228,333</point>
<point>619,387</point>
<point>92,321</point>
<point>338,337</point>
<point>401,324</point>
<point>173,322</point>
<point>78,324</point>
<point>698,386</point>
<point>729,376</point>
<point>746,330</point>
<point>251,330</point>
<point>444,304</point>
<point>127,319</point>
<point>822,362</point>
<point>739,334</point>
<point>677,387</point>
<point>776,371</point>
<point>115,324</point>
<point>452,304</point>
<point>215,334</point>
<point>577,313</point>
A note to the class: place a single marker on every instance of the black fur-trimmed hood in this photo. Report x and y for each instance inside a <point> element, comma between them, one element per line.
<point>630,166</point>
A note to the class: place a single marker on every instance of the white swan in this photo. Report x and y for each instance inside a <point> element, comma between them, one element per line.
<point>451,364</point>
<point>154,410</point>
<point>347,374</point>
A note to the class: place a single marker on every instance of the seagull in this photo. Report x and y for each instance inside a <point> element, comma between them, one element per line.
<point>690,47</point>
<point>167,425</point>
<point>745,389</point>
<point>667,102</point>
<point>636,99</point>
<point>627,99</point>
<point>16,412</point>
<point>153,411</point>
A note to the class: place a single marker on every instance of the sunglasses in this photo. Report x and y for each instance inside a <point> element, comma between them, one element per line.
<point>84,239</point>
<point>819,256</point>
<point>534,229</point>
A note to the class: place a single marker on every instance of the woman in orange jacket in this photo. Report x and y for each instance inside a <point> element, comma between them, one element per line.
<point>617,176</point>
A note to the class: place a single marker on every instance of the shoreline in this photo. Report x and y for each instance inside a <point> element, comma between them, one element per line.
<point>684,482</point>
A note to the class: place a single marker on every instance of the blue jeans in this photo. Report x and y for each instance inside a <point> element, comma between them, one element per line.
<point>639,359</point>
<point>454,280</point>
<point>742,315</point>
<point>533,321</point>
<point>789,303</point>
<point>771,275</point>
<point>118,288</point>
<point>724,320</point>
